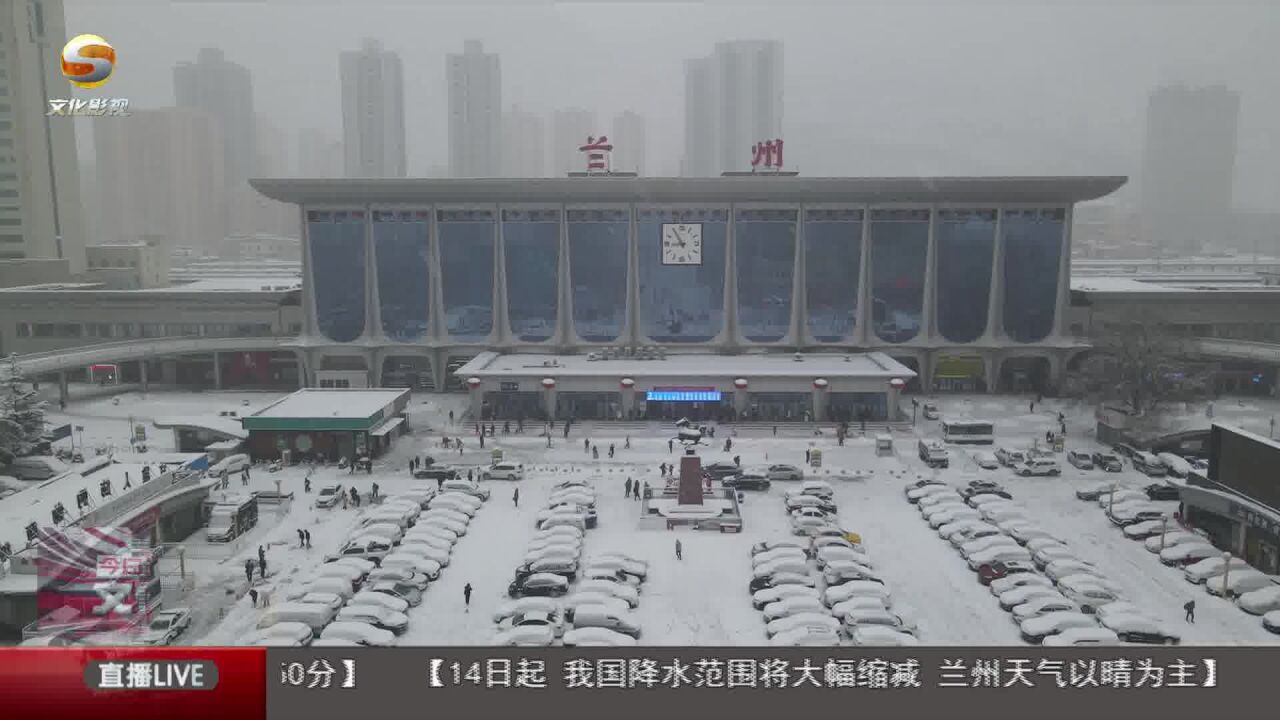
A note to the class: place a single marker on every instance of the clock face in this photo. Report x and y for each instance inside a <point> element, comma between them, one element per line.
<point>681,244</point>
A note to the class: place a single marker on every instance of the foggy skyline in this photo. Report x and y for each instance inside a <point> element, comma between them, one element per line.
<point>947,87</point>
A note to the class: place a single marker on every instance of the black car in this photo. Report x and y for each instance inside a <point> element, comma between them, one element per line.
<point>1107,461</point>
<point>436,472</point>
<point>1162,491</point>
<point>721,469</point>
<point>748,481</point>
<point>996,490</point>
<point>769,581</point>
<point>553,565</point>
<point>1124,450</point>
<point>538,585</point>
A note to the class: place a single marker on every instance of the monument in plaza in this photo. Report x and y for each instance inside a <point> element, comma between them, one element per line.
<point>690,488</point>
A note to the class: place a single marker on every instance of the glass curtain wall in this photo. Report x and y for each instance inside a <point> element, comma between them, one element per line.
<point>337,271</point>
<point>899,250</point>
<point>598,247</point>
<point>833,267</point>
<point>1032,252</point>
<point>766,256</point>
<point>402,249</point>
<point>681,303</point>
<point>531,246</point>
<point>966,242</point>
<point>466,272</point>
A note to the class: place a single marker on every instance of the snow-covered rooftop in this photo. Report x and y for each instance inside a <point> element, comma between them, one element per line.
<point>331,402</point>
<point>224,425</point>
<point>1255,437</point>
<point>232,283</point>
<point>1130,284</point>
<point>866,365</point>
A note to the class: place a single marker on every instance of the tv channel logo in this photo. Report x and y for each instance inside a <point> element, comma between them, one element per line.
<point>88,61</point>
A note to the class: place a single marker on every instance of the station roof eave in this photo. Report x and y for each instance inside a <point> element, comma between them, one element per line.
<point>1056,190</point>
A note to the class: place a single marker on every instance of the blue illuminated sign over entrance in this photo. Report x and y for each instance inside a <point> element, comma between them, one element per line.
<point>682,395</point>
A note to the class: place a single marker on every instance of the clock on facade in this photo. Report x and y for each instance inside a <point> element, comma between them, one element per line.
<point>681,244</point>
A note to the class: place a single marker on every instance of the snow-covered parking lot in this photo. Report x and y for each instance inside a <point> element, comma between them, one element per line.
<point>703,598</point>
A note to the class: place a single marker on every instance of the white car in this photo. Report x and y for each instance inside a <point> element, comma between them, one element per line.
<point>781,565</point>
<point>334,570</point>
<point>526,605</point>
<point>978,545</point>
<point>838,553</point>
<point>1146,528</point>
<point>1042,606</point>
<point>767,557</point>
<point>431,541</point>
<point>375,615</point>
<point>1140,629</point>
<point>597,637</point>
<point>466,487</point>
<point>1062,568</point>
<point>771,545</point>
<point>503,471</point>
<point>1028,532</point>
<point>1261,601</point>
<point>1199,572</point>
<point>855,619</point>
<point>333,601</point>
<point>914,495</point>
<point>358,633</point>
<point>282,634</point>
<point>1012,582</point>
<point>166,626</point>
<point>560,531</point>
<point>455,502</point>
<point>401,576</point>
<point>392,532</point>
<point>1119,497</point>
<point>1238,583</point>
<point>1080,459</point>
<point>1119,607</point>
<point>426,550</point>
<point>976,531</point>
<point>525,636</point>
<point>435,531</point>
<point>1082,637</point>
<point>996,552</point>
<point>937,520</point>
<point>1037,629</point>
<point>430,568</point>
<point>1009,457</point>
<point>458,516</point>
<point>792,606</point>
<point>978,501</point>
<point>811,512</point>
<point>596,599</point>
<point>457,528</point>
<point>1035,545</point>
<point>622,591</point>
<point>553,621</point>
<point>1011,599</point>
<point>761,598</point>
<point>881,636</point>
<point>808,525</point>
<point>807,636</point>
<point>1038,467</point>
<point>1001,514</point>
<point>1189,553</point>
<point>337,585</point>
<point>571,497</point>
<point>940,498</point>
<point>843,607</point>
<point>817,488</point>
<point>985,459</point>
<point>1052,553</point>
<point>856,588</point>
<point>1088,595</point>
<point>808,619</point>
<point>571,543</point>
<point>1160,543</point>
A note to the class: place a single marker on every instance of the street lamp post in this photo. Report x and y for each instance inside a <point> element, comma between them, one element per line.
<point>915,405</point>
<point>1226,572</point>
<point>182,562</point>
<point>1111,498</point>
<point>1164,530</point>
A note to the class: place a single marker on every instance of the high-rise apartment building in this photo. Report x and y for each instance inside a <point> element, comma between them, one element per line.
<point>373,141</point>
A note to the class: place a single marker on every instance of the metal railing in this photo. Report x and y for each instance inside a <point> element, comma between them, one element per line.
<point>84,355</point>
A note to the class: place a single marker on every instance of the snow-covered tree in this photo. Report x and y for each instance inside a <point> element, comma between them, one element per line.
<point>21,414</point>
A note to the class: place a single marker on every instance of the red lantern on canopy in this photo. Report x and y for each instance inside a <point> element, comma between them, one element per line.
<point>627,383</point>
<point>820,383</point>
<point>473,382</point>
<point>740,383</point>
<point>897,383</point>
<point>548,383</point>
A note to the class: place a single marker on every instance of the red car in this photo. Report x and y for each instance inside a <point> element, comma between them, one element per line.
<point>997,570</point>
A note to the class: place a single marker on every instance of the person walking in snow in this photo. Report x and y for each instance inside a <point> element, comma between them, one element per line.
<point>482,442</point>
<point>253,597</point>
<point>737,460</point>
<point>586,445</point>
<point>515,497</point>
<point>375,492</point>
<point>306,484</point>
<point>679,550</point>
<point>466,596</point>
<point>627,493</point>
<point>1190,607</point>
<point>248,571</point>
<point>302,540</point>
<point>440,483</point>
<point>307,534</point>
<point>626,445</point>
<point>671,444</point>
<point>610,449</point>
<point>595,453</point>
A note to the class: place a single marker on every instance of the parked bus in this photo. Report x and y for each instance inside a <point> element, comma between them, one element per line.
<point>968,431</point>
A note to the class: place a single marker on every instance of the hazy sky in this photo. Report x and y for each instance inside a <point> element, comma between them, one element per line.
<point>873,87</point>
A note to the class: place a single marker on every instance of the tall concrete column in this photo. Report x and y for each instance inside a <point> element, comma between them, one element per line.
<point>863,335</point>
<point>741,401</point>
<point>995,305</point>
<point>373,306</point>
<point>477,401</point>
<point>925,358</point>
<point>169,372</point>
<point>990,368</point>
<point>549,398</point>
<point>819,405</point>
<point>142,374</point>
<point>928,317</point>
<point>217,371</point>
<point>64,391</point>
<point>731,344</point>
<point>1064,276</point>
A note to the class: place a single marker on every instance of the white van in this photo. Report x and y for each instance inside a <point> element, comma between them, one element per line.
<point>934,453</point>
<point>37,467</point>
<point>313,615</point>
<point>230,464</point>
<point>1148,464</point>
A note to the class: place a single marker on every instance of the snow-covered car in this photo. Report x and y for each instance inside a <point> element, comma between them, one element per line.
<point>971,531</point>
<point>633,570</point>
<point>985,459</point>
<point>833,596</point>
<point>525,636</point>
<point>358,633</point>
<point>764,597</point>
<point>1146,528</point>
<point>858,602</point>
<point>811,512</point>
<point>1052,553</point>
<point>597,637</point>
<point>1119,497</point>
<point>621,590</point>
<point>808,636</point>
<point>456,502</point>
<point>605,616</point>
<point>1261,601</point>
<point>503,471</point>
<point>784,473</point>
<point>1200,572</point>
<point>417,563</point>
<point>947,498</point>
<point>398,575</point>
<point>1082,637</point>
<point>542,584</point>
<point>1037,544</point>
<point>337,585</point>
<point>809,525</point>
<point>989,573</point>
<point>436,531</point>
<point>914,495</point>
<point>553,621</point>
<point>994,514</point>
<point>1035,467</point>
<point>365,597</point>
<point>459,516</point>
<point>1087,595</point>
<point>1012,582</point>
<point>986,498</point>
<point>770,556</point>
<point>1037,629</point>
<point>452,525</point>
<point>563,531</point>
<point>1024,533</point>
<point>983,544</point>
<point>425,550</point>
<point>1139,629</point>
<point>1239,582</point>
<point>881,636</point>
<point>782,578</point>
<point>1160,543</point>
<point>798,502</point>
<point>1189,553</point>
<point>365,547</point>
<point>1042,606</point>
<point>334,570</point>
<point>375,615</point>
<point>938,519</point>
<point>1128,514</point>
<point>1080,459</point>
<point>1107,461</point>
<point>282,634</point>
<point>329,496</point>
<point>580,598</point>
<point>566,553</point>
<point>792,606</point>
<point>466,487</point>
<point>781,565</point>
<point>333,601</point>
<point>920,482</point>
<point>560,541</point>
<point>1163,491</point>
<point>791,622</point>
<point>821,541</point>
<point>855,619</point>
<point>1011,599</point>
<point>1119,607</point>
<point>410,594</point>
<point>1009,457</point>
<point>837,553</point>
<point>390,531</point>
<point>438,544</point>
<point>1059,569</point>
<point>771,545</point>
<point>840,572</point>
<point>166,626</point>
<point>1093,491</point>
<point>817,488</point>
<point>524,605</point>
<point>363,565</point>
<point>1271,621</point>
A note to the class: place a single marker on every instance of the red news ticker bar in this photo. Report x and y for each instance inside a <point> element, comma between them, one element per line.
<point>49,684</point>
